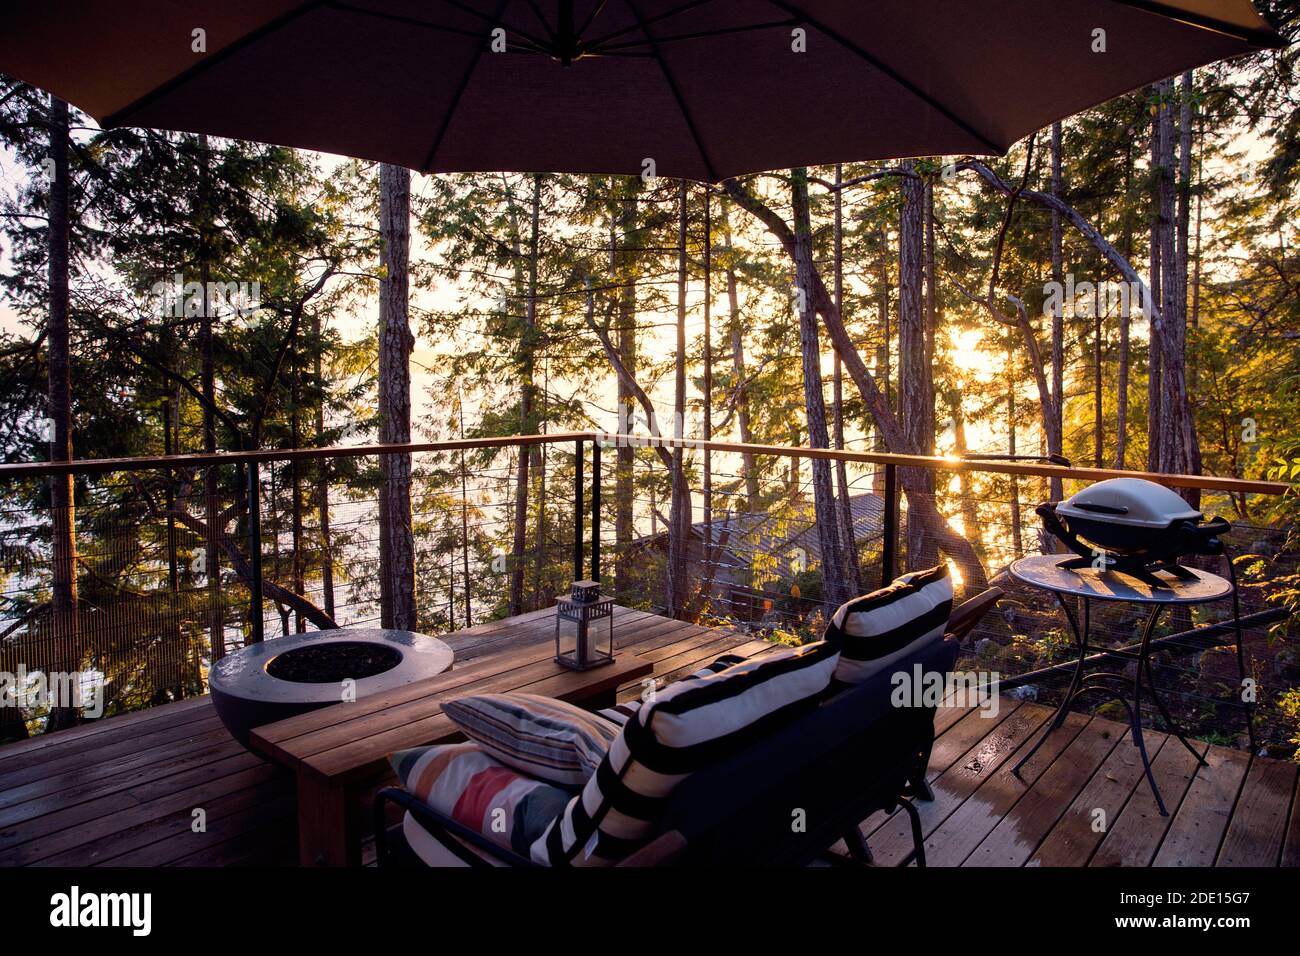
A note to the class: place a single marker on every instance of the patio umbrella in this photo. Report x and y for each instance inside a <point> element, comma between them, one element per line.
<point>702,89</point>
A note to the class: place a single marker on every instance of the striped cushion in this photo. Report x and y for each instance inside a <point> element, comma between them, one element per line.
<point>685,727</point>
<point>880,628</point>
<point>462,782</point>
<point>545,738</point>
<point>620,713</point>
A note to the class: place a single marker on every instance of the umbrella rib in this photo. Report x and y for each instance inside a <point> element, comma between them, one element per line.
<point>1265,39</point>
<point>641,25</point>
<point>494,21</point>
<point>537,14</point>
<point>399,18</point>
<point>677,93</point>
<point>702,34</point>
<point>460,91</point>
<point>522,41</point>
<point>117,116</point>
<point>591,17</point>
<point>898,78</point>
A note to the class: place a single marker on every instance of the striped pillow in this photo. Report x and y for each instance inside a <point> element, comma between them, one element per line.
<point>620,713</point>
<point>543,737</point>
<point>875,631</point>
<point>462,782</point>
<point>686,727</point>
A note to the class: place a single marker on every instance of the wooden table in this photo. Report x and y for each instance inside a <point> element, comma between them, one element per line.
<point>338,753</point>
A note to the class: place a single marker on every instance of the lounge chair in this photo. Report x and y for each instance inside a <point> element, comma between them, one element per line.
<point>781,802</point>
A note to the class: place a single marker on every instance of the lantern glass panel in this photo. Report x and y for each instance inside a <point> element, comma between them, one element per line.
<point>567,634</point>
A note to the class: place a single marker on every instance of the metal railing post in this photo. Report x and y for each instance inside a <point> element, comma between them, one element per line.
<point>577,510</point>
<point>595,511</point>
<point>255,551</point>
<point>889,544</point>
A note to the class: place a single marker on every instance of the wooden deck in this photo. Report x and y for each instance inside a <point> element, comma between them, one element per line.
<point>126,791</point>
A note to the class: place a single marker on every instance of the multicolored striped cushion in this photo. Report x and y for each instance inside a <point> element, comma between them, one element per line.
<point>545,738</point>
<point>882,627</point>
<point>684,728</point>
<point>462,782</point>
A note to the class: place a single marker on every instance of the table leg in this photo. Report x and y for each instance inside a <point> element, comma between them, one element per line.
<point>1241,653</point>
<point>1144,664</point>
<point>329,828</point>
<point>1081,639</point>
<point>1166,716</point>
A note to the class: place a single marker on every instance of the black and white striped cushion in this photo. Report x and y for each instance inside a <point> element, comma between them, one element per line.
<point>880,628</point>
<point>684,728</point>
<point>621,713</point>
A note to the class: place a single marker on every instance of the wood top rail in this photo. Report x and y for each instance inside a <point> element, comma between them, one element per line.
<point>36,469</point>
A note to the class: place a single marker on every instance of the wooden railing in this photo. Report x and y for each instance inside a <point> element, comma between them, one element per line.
<point>587,482</point>
<point>35,469</point>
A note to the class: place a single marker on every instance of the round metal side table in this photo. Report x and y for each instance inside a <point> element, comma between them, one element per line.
<point>1088,584</point>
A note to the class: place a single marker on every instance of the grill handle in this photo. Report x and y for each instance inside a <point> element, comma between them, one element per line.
<point>1047,512</point>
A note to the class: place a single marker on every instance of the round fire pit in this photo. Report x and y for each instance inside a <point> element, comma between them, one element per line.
<point>266,682</point>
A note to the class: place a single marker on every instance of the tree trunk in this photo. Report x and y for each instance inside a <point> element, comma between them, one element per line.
<point>527,424</point>
<point>708,363</point>
<point>1155,351</point>
<point>622,264</point>
<point>1121,390</point>
<point>1125,334</point>
<point>1017,536</point>
<point>1178,452</point>
<point>63,558</point>
<point>931,304</point>
<point>844,504</point>
<point>913,370</point>
<point>207,376</point>
<point>1192,451</point>
<point>1098,419</point>
<point>969,507</point>
<point>882,357</point>
<point>679,514</point>
<point>464,517</point>
<point>1055,490</point>
<point>747,461</point>
<point>397,541</point>
<point>295,491</point>
<point>837,586</point>
<point>323,485</point>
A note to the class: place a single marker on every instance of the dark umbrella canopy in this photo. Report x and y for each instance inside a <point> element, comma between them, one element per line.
<point>706,89</point>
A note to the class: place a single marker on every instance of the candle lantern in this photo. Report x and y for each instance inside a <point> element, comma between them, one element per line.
<point>584,628</point>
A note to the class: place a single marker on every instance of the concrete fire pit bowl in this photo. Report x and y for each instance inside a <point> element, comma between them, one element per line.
<point>266,682</point>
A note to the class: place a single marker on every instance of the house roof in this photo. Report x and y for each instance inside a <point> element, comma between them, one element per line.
<point>740,537</point>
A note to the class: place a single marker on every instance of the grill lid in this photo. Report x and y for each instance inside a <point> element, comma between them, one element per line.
<point>1135,502</point>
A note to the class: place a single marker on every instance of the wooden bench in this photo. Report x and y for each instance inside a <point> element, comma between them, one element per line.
<point>339,753</point>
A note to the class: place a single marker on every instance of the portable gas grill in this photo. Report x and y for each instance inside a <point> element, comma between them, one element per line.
<point>1139,529</point>
<point>1133,526</point>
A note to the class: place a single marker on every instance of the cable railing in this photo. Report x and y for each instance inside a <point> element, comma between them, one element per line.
<point>184,558</point>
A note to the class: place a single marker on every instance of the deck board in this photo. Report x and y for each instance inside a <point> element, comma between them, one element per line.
<point>122,791</point>
<point>954,781</point>
<point>1134,836</point>
<point>1017,835</point>
<point>1197,829</point>
<point>1080,830</point>
<point>1259,821</point>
